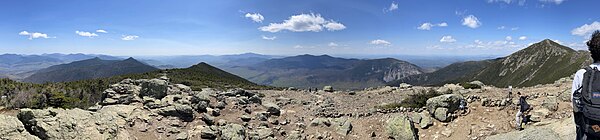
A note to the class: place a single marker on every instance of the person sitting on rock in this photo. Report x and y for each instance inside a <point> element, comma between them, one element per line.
<point>523,111</point>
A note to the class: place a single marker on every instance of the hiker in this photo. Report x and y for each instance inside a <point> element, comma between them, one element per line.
<point>524,108</point>
<point>585,96</point>
<point>463,107</point>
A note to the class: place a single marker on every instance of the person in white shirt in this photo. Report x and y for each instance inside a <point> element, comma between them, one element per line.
<point>594,48</point>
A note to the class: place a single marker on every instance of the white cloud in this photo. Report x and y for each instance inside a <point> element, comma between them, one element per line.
<point>501,27</point>
<point>393,7</point>
<point>557,2</point>
<point>86,34</point>
<point>428,26</point>
<point>447,39</point>
<point>443,24</point>
<point>380,42</point>
<point>269,38</point>
<point>101,31</point>
<point>304,23</point>
<point>34,35</point>
<point>499,44</point>
<point>129,37</point>
<point>425,26</point>
<point>514,28</point>
<point>331,44</point>
<point>520,2</point>
<point>523,38</point>
<point>471,21</point>
<point>256,17</point>
<point>505,1</point>
<point>586,29</point>
<point>508,38</point>
<point>333,26</point>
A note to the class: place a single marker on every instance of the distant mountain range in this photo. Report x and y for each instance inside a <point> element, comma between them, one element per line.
<point>317,71</point>
<point>88,69</point>
<point>16,66</point>
<point>541,63</point>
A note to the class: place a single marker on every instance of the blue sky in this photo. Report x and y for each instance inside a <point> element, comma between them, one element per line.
<point>286,27</point>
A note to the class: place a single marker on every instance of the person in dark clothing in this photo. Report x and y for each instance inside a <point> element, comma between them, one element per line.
<point>578,81</point>
<point>523,110</point>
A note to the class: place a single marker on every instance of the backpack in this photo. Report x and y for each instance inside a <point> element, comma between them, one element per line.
<point>524,104</point>
<point>587,101</point>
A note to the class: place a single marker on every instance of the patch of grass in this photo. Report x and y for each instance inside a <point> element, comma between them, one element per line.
<point>419,100</point>
<point>467,85</point>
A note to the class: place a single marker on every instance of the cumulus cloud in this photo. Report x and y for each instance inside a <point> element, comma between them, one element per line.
<point>501,27</point>
<point>304,23</point>
<point>34,35</point>
<point>333,26</point>
<point>508,38</point>
<point>447,39</point>
<point>101,31</point>
<point>523,38</point>
<point>428,26</point>
<point>471,21</point>
<point>557,2</point>
<point>269,38</point>
<point>256,17</point>
<point>380,42</point>
<point>520,2</point>
<point>86,34</point>
<point>129,37</point>
<point>586,29</point>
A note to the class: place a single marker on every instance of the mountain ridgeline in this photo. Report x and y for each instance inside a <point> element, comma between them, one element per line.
<point>88,69</point>
<point>84,93</point>
<point>541,63</point>
<point>317,71</point>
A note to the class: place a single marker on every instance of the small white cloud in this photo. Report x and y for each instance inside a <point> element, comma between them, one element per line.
<point>298,47</point>
<point>393,7</point>
<point>425,26</point>
<point>443,24</point>
<point>380,42</point>
<point>501,27</point>
<point>256,17</point>
<point>34,35</point>
<point>428,26</point>
<point>505,1</point>
<point>514,28</point>
<point>508,38</point>
<point>86,34</point>
<point>101,31</point>
<point>447,39</point>
<point>269,38</point>
<point>557,2</point>
<point>303,23</point>
<point>523,38</point>
<point>471,21</point>
<point>331,44</point>
<point>586,29</point>
<point>334,26</point>
<point>129,37</point>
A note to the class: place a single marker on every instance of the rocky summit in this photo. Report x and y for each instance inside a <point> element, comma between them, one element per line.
<point>159,109</point>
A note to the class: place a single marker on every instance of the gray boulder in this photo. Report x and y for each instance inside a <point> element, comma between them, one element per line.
<point>71,124</point>
<point>400,128</point>
<point>328,89</point>
<point>233,132</point>
<point>449,101</point>
<point>154,88</point>
<point>405,86</point>
<point>426,121</point>
<point>183,112</point>
<point>272,109</point>
<point>551,103</point>
<point>441,114</point>
<point>12,129</point>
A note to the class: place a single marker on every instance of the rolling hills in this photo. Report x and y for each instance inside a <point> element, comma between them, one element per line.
<point>88,69</point>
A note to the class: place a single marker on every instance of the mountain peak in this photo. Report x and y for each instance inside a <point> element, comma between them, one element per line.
<point>548,44</point>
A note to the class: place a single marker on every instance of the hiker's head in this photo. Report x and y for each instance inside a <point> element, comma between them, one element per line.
<point>518,93</point>
<point>594,46</point>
